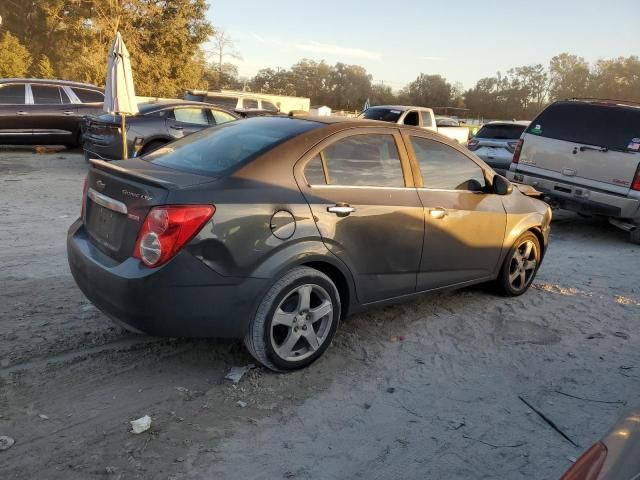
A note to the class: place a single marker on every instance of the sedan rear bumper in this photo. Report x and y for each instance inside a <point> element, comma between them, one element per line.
<point>184,298</point>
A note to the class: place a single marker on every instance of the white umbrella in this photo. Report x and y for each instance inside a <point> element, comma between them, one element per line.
<point>120,95</point>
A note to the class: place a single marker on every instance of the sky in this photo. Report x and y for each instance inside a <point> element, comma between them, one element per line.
<point>397,40</point>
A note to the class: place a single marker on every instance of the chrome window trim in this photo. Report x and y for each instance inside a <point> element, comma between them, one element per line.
<point>71,94</point>
<point>376,187</point>
<point>107,202</point>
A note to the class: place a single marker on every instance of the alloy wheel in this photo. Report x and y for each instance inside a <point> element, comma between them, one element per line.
<point>301,322</point>
<point>523,265</point>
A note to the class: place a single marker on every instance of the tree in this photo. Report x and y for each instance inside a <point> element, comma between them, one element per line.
<point>15,59</point>
<point>350,86</point>
<point>429,91</point>
<point>616,78</point>
<point>43,68</point>
<point>569,76</point>
<point>382,95</point>
<point>223,46</point>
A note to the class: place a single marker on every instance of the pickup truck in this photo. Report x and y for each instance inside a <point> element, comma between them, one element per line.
<point>418,116</point>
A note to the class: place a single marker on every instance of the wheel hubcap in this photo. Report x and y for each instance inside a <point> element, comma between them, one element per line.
<point>523,265</point>
<point>301,322</point>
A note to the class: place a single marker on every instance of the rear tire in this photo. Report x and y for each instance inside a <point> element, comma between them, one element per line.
<point>296,320</point>
<point>520,266</point>
<point>151,147</point>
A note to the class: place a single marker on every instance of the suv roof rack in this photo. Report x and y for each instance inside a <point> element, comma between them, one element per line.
<point>604,100</point>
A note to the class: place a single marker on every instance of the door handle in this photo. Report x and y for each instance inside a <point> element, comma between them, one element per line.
<point>22,113</point>
<point>68,112</point>
<point>341,209</point>
<point>176,127</point>
<point>438,213</point>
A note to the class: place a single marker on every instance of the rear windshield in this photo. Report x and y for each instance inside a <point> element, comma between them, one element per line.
<point>384,114</point>
<point>214,150</point>
<point>501,132</point>
<point>612,126</point>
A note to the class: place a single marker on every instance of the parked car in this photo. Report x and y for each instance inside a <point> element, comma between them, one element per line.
<point>417,116</point>
<point>585,156</point>
<point>615,457</point>
<point>273,229</point>
<point>245,106</point>
<point>46,112</point>
<point>495,143</point>
<point>155,125</point>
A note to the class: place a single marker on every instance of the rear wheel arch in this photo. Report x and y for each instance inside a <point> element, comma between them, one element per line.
<point>339,279</point>
<point>538,233</point>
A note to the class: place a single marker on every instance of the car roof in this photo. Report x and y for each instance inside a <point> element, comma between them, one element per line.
<point>154,106</point>
<point>523,123</point>
<point>51,82</point>
<point>603,101</point>
<point>400,107</point>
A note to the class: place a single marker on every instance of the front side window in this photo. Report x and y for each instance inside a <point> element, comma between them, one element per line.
<point>46,95</point>
<point>250,104</point>
<point>88,96</point>
<point>412,118</point>
<point>360,160</point>
<point>222,117</point>
<point>196,116</point>
<point>444,168</point>
<point>12,94</point>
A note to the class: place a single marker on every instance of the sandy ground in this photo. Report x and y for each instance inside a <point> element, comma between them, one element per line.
<point>427,389</point>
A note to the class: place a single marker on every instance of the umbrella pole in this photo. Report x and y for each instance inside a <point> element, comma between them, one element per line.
<point>124,137</point>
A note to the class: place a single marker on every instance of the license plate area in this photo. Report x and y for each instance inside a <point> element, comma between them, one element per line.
<point>105,226</point>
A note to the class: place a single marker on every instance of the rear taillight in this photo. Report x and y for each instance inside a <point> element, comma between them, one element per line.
<point>588,465</point>
<point>517,150</point>
<point>167,229</point>
<point>85,188</point>
<point>473,144</point>
<point>635,185</point>
<point>511,146</point>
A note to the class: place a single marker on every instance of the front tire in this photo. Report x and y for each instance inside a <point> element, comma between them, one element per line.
<point>520,266</point>
<point>296,320</point>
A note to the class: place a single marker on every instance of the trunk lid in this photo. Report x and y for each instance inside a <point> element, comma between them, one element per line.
<point>119,196</point>
<point>582,140</point>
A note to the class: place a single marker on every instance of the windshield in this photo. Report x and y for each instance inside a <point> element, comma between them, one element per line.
<point>214,150</point>
<point>501,132</point>
<point>383,114</point>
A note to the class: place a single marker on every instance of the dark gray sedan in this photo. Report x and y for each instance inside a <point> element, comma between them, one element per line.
<point>274,229</point>
<point>157,124</point>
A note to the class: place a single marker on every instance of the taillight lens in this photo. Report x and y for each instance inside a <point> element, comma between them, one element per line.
<point>473,144</point>
<point>588,465</point>
<point>167,229</point>
<point>517,151</point>
<point>85,188</point>
<point>635,185</point>
<point>511,146</point>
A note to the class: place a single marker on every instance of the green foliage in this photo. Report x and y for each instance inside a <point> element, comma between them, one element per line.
<point>43,68</point>
<point>15,59</point>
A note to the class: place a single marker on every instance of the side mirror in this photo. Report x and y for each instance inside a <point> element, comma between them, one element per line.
<point>501,186</point>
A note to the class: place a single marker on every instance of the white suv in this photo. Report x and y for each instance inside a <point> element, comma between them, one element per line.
<point>584,155</point>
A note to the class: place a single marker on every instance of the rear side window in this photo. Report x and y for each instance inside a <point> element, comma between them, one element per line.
<point>613,127</point>
<point>226,102</point>
<point>222,117</point>
<point>426,119</point>
<point>444,168</point>
<point>367,160</point>
<point>214,150</point>
<point>269,106</point>
<point>196,116</point>
<point>46,95</point>
<point>501,132</point>
<point>412,118</point>
<point>12,94</point>
<point>88,96</point>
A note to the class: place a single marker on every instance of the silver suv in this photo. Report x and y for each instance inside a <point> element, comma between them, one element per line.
<point>584,155</point>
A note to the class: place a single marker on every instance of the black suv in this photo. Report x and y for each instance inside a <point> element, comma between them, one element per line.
<point>36,111</point>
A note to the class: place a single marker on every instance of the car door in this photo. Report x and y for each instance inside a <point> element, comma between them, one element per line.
<point>54,117</point>
<point>186,120</point>
<point>360,190</point>
<point>464,223</point>
<point>15,121</point>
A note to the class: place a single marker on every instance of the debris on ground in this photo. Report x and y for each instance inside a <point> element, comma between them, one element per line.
<point>241,404</point>
<point>235,374</point>
<point>43,417</point>
<point>456,424</point>
<point>6,442</point>
<point>396,338</point>
<point>141,425</point>
<point>621,335</point>
<point>594,336</point>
